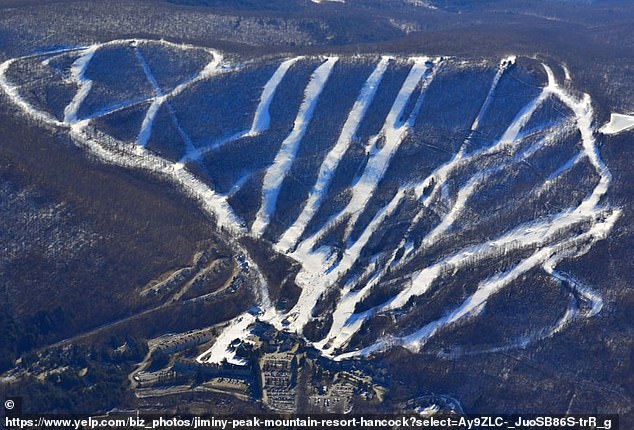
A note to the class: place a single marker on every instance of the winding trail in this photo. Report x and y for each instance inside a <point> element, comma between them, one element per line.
<point>543,235</point>
<point>119,153</point>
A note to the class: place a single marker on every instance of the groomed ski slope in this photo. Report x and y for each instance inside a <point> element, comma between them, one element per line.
<point>285,157</point>
<point>393,133</point>
<point>551,239</point>
<point>333,158</point>
<point>261,118</point>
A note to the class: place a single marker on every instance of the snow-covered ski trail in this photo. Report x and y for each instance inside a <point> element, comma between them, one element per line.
<point>320,271</point>
<point>592,300</point>
<point>393,132</point>
<point>112,152</point>
<point>585,118</point>
<point>526,236</point>
<point>160,99</point>
<point>14,95</point>
<point>351,295</point>
<point>330,163</point>
<point>261,118</point>
<point>302,311</point>
<point>147,70</point>
<point>441,173</point>
<point>78,71</point>
<point>508,140</point>
<point>478,300</point>
<point>283,161</point>
<point>505,65</point>
<point>474,304</point>
<point>542,235</point>
<point>148,121</point>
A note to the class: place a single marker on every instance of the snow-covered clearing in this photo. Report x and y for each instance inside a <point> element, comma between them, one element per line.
<point>221,349</point>
<point>618,124</point>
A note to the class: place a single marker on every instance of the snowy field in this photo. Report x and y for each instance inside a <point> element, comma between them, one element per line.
<point>618,124</point>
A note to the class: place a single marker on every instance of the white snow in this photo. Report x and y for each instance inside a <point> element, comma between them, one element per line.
<point>319,271</point>
<point>14,95</point>
<point>508,139</point>
<point>552,239</point>
<point>148,121</point>
<point>220,350</point>
<point>148,73</point>
<point>567,75</point>
<point>618,123</point>
<point>393,132</point>
<point>542,235</point>
<point>110,151</point>
<point>77,71</point>
<point>464,193</point>
<point>585,116</point>
<point>490,287</point>
<point>53,54</point>
<point>310,295</point>
<point>330,163</point>
<point>505,64</point>
<point>525,236</point>
<point>567,234</point>
<point>421,3</point>
<point>441,173</point>
<point>215,66</point>
<point>475,304</point>
<point>565,167</point>
<point>283,161</point>
<point>593,299</point>
<point>262,118</point>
